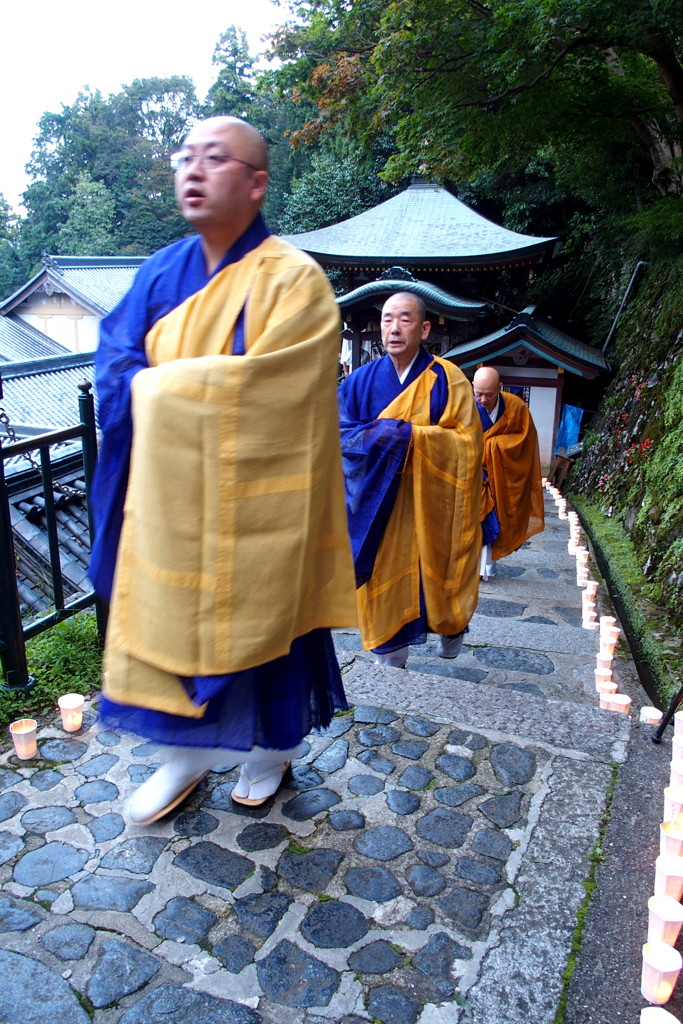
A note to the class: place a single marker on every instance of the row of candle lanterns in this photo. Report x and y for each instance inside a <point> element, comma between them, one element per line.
<point>661,961</point>
<point>24,731</point>
<point>605,685</point>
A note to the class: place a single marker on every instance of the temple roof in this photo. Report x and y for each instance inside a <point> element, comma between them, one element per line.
<point>98,283</point>
<point>19,340</point>
<point>532,332</point>
<point>42,394</point>
<point>396,279</point>
<point>424,226</point>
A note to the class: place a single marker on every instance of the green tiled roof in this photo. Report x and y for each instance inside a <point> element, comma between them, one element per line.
<point>423,226</point>
<point>539,336</point>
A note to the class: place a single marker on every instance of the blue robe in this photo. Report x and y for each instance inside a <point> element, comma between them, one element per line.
<point>273,705</point>
<point>490,527</point>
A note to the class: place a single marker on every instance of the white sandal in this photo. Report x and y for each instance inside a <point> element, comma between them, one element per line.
<point>275,772</point>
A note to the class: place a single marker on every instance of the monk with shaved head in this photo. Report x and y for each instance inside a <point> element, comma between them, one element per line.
<point>411,444</point>
<point>221,537</point>
<point>512,502</point>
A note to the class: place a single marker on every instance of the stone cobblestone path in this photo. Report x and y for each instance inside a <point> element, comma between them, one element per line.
<point>423,863</point>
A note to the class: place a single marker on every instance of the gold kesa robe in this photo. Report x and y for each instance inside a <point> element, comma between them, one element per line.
<point>513,464</point>
<point>234,539</point>
<point>434,532</point>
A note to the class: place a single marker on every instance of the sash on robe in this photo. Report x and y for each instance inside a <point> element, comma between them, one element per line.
<point>235,527</point>
<point>513,467</point>
<point>432,538</point>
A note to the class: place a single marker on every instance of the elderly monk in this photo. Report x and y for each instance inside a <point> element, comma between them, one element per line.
<point>512,504</point>
<point>230,560</point>
<point>411,445</point>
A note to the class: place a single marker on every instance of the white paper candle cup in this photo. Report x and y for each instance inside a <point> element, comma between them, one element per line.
<point>676,776</point>
<point>604,661</point>
<point>620,702</point>
<point>606,688</point>
<point>669,876</point>
<point>656,1015</point>
<point>677,747</point>
<point>71,708</point>
<point>665,917</point>
<point>673,803</point>
<point>23,733</point>
<point>650,715</point>
<point>661,966</point>
<point>671,839</point>
<point>607,620</point>
<point>592,588</point>
<point>678,724</point>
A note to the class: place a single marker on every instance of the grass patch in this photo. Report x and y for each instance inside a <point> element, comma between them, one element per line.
<point>65,658</point>
<point>655,647</point>
<point>589,885</point>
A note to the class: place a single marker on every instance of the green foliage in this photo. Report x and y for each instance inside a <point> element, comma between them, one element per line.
<point>655,646</point>
<point>332,190</point>
<point>233,92</point>
<point>89,228</point>
<point>469,86</point>
<point>64,659</point>
<point>631,467</point>
<point>121,145</point>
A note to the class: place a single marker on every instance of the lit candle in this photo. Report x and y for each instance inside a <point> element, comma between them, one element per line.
<point>23,733</point>
<point>665,916</point>
<point>71,707</point>
<point>656,1015</point>
<point>671,838</point>
<point>619,702</point>
<point>661,966</point>
<point>603,679</point>
<point>673,804</point>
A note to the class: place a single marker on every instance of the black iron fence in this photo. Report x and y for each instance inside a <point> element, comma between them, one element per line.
<point>13,632</point>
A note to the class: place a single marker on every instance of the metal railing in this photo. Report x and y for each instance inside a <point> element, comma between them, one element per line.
<point>13,632</point>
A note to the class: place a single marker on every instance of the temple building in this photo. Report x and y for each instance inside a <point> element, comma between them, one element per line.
<point>426,241</point>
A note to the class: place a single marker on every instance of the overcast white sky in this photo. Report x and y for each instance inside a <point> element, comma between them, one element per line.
<point>50,51</point>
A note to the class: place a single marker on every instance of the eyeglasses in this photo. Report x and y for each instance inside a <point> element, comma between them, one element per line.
<point>208,161</point>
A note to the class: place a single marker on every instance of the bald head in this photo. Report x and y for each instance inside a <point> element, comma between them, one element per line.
<point>246,142</point>
<point>221,181</point>
<point>486,387</point>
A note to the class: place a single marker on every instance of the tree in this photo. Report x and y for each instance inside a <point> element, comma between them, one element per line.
<point>89,228</point>
<point>593,89</point>
<point>10,262</point>
<point>233,92</point>
<point>121,143</point>
<point>334,188</point>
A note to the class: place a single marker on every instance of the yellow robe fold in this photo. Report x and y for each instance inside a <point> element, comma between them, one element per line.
<point>513,464</point>
<point>234,540</point>
<point>434,530</point>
